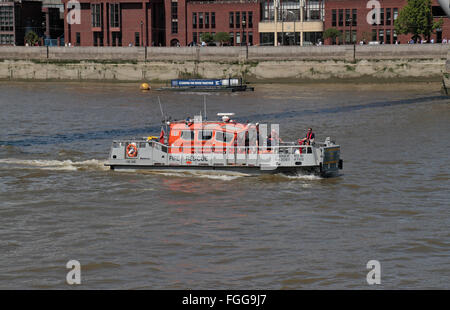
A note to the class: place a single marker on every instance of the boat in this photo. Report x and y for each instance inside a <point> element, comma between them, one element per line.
<point>227,145</point>
<point>208,85</point>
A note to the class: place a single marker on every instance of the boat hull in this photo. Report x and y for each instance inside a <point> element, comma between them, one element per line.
<point>249,170</point>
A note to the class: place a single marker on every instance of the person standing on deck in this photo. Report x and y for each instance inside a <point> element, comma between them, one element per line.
<point>310,137</point>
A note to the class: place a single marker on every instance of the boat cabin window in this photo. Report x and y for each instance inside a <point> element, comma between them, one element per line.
<point>224,136</point>
<point>187,135</point>
<point>205,135</point>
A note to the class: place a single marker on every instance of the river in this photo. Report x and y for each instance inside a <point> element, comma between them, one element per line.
<point>201,231</point>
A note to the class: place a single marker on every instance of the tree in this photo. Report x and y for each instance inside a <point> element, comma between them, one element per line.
<point>332,33</point>
<point>207,37</point>
<point>222,37</point>
<point>31,38</point>
<point>416,18</point>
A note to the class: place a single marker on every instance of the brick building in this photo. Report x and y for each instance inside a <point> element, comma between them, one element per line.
<point>253,22</point>
<point>116,23</point>
<point>350,18</point>
<point>186,20</point>
<point>17,18</point>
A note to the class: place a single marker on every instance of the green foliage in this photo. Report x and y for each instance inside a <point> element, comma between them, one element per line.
<point>207,37</point>
<point>416,18</point>
<point>31,38</point>
<point>222,37</point>
<point>332,33</point>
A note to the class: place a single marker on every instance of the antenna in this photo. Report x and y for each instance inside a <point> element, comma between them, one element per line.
<point>164,119</point>
<point>160,107</point>
<point>204,104</point>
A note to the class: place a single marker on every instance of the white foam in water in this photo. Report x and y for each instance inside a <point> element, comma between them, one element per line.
<point>308,177</point>
<point>209,174</point>
<point>64,165</point>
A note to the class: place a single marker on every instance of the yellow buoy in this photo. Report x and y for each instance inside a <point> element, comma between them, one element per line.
<point>145,86</point>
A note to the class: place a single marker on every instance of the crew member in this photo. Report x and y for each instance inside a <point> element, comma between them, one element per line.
<point>310,137</point>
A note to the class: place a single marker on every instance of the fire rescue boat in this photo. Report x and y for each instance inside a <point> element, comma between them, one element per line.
<point>225,145</point>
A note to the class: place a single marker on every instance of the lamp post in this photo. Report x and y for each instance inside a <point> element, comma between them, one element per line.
<point>294,23</point>
<point>142,31</point>
<point>282,23</point>
<point>302,17</point>
<point>276,4</point>
<point>243,26</point>
<point>242,41</point>
<point>350,21</point>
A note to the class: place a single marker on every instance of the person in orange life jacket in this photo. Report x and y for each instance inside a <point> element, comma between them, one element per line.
<point>310,137</point>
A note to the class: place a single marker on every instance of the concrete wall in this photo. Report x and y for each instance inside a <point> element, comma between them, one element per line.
<point>264,71</point>
<point>264,63</point>
<point>228,54</point>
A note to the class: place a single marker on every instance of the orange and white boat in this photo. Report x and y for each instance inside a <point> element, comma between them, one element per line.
<point>224,145</point>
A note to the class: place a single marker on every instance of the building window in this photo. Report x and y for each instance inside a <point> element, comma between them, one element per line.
<point>6,21</point>
<point>231,19</point>
<point>200,20</point>
<point>174,27</point>
<point>334,18</point>
<point>250,38</point>
<point>244,37</point>
<point>244,19</point>
<point>238,21</point>
<point>116,38</point>
<point>231,38</point>
<point>395,14</point>
<point>6,39</point>
<point>374,35</point>
<point>194,20</point>
<point>341,17</point>
<point>98,38</point>
<point>174,9</point>
<point>382,16</point>
<point>78,38</point>
<point>194,37</point>
<point>238,38</point>
<point>207,20</point>
<point>438,11</point>
<point>250,19</point>
<point>354,17</point>
<point>137,39</point>
<point>388,36</point>
<point>115,15</point>
<point>313,10</point>
<point>213,20</point>
<point>381,36</point>
<point>96,10</point>
<point>388,17</point>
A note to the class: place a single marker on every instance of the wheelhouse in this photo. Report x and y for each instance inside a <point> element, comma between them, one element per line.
<point>205,137</point>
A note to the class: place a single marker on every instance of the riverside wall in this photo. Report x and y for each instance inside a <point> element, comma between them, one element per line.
<point>253,63</point>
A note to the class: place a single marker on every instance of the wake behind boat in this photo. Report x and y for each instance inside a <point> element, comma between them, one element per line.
<point>225,145</point>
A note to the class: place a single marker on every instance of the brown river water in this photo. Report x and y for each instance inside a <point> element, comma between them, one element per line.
<point>182,230</point>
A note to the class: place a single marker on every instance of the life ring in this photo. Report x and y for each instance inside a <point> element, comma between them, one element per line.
<point>131,150</point>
